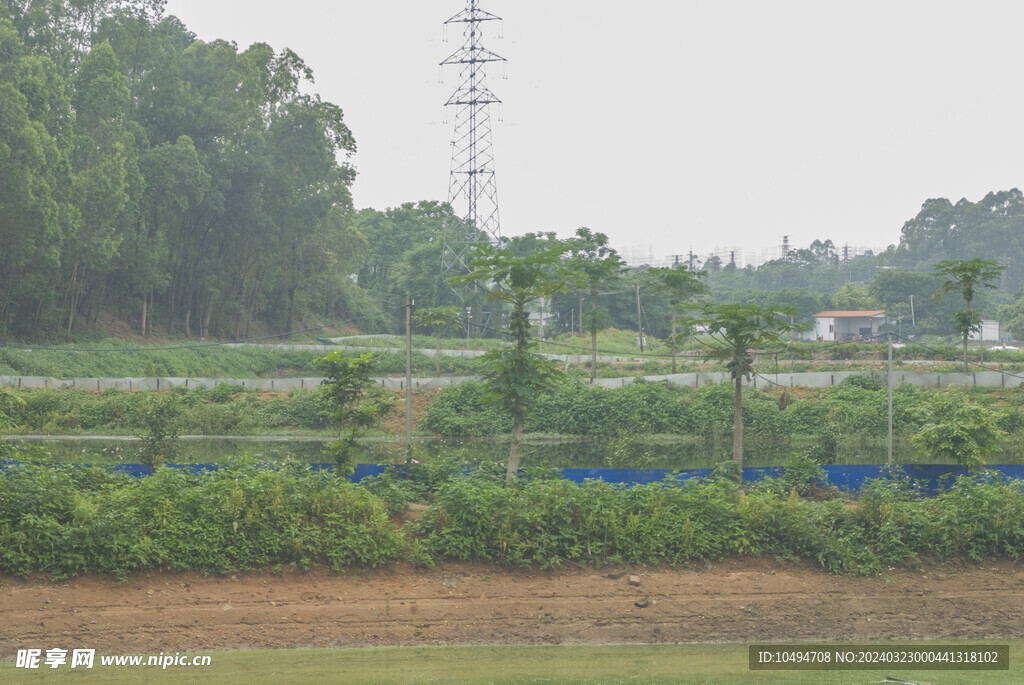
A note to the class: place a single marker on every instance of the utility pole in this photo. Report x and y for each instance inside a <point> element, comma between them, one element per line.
<point>408,378</point>
<point>580,355</point>
<point>540,344</point>
<point>889,461</point>
<point>639,324</point>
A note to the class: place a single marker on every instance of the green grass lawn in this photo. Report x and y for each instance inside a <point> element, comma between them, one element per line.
<point>718,664</point>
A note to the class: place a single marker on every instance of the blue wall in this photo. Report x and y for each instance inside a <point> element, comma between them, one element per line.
<point>931,477</point>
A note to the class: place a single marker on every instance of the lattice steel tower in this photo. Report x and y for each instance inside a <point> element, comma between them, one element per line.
<point>472,192</point>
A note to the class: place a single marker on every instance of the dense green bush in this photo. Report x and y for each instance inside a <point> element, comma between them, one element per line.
<point>224,410</point>
<point>577,408</point>
<point>551,522</point>
<point>418,481</point>
<point>460,410</point>
<point>831,424</point>
<point>65,521</point>
<point>834,424</point>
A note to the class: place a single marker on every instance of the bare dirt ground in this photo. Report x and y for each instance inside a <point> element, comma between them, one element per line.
<point>732,600</point>
<point>394,422</point>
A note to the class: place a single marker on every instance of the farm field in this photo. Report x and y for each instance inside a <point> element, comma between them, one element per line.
<point>735,602</point>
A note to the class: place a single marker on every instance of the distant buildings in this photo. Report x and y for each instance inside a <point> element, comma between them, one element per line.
<point>990,332</point>
<point>641,255</point>
<point>846,325</point>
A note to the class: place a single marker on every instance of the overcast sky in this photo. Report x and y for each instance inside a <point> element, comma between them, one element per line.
<point>676,124</point>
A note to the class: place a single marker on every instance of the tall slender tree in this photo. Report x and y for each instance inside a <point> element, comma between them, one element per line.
<point>516,375</point>
<point>966,277</point>
<point>734,331</point>
<point>600,266</point>
<point>438,318</point>
<point>681,284</point>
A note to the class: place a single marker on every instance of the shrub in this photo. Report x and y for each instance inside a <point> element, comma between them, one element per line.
<point>551,522</point>
<point>957,430</point>
<point>65,521</point>
<point>160,417</point>
<point>459,411</point>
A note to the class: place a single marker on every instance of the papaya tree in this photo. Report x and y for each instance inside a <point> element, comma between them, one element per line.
<point>966,276</point>
<point>516,375</point>
<point>598,266</point>
<point>734,332</point>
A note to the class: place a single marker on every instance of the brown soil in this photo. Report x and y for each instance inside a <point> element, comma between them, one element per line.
<point>394,422</point>
<point>733,600</point>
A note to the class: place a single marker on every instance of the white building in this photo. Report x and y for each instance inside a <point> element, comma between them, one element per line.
<point>847,325</point>
<point>989,331</point>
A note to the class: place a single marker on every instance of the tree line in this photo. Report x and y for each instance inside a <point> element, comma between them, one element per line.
<point>198,189</point>
<point>169,181</point>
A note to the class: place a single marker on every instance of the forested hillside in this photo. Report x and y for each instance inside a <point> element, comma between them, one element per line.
<point>201,189</point>
<point>195,187</point>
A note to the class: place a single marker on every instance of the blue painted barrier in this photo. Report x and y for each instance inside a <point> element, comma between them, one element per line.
<point>642,476</point>
<point>930,477</point>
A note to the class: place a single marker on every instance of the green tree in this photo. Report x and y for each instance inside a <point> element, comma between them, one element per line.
<point>734,331</point>
<point>966,277</point>
<point>107,184</point>
<point>956,429</point>
<point>942,230</point>
<point>854,296</point>
<point>681,284</point>
<point>152,173</point>
<point>1012,316</point>
<point>437,318</point>
<point>347,385</point>
<point>405,246</point>
<point>516,375</point>
<point>160,414</point>
<point>894,289</point>
<point>598,265</point>
<point>176,184</point>
<point>333,254</point>
<point>35,213</point>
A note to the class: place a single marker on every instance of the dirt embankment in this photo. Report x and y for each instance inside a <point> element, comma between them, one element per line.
<point>738,600</point>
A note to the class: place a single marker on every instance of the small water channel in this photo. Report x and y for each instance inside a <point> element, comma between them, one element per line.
<point>656,452</point>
